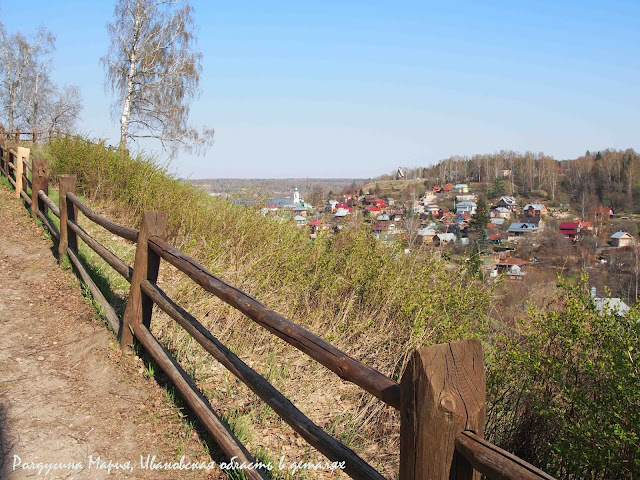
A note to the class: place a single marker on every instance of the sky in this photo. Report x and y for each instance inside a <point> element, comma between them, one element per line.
<point>355,89</point>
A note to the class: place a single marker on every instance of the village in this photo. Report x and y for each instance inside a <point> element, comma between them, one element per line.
<point>503,237</point>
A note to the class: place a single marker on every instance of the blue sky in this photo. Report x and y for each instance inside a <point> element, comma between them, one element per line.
<point>354,88</point>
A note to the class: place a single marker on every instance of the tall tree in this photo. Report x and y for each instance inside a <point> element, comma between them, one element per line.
<point>23,60</point>
<point>153,68</point>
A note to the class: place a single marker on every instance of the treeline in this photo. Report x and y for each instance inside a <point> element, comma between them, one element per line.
<point>608,177</point>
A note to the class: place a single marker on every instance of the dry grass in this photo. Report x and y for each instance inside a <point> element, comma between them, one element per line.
<point>368,299</point>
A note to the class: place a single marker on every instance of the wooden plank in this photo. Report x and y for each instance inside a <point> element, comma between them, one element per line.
<point>224,437</point>
<point>113,260</point>
<point>68,211</point>
<point>443,393</point>
<point>139,307</point>
<point>355,467</point>
<point>49,203</point>
<point>328,355</point>
<point>40,181</point>
<point>50,226</point>
<point>495,463</point>
<point>108,310</point>
<point>127,233</point>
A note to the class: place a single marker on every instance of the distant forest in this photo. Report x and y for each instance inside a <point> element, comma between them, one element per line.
<point>608,177</point>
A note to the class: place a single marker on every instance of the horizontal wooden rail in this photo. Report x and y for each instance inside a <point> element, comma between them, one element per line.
<point>26,197</point>
<point>127,233</point>
<point>328,355</point>
<point>47,223</point>
<point>54,208</point>
<point>109,312</point>
<point>13,167</point>
<point>113,260</point>
<point>495,463</point>
<point>26,163</point>
<point>198,403</point>
<point>355,467</point>
<point>12,181</point>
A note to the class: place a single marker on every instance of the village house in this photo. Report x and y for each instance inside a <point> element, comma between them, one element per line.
<point>513,267</point>
<point>574,230</point>
<point>537,221</point>
<point>500,212</point>
<point>396,214</point>
<point>472,197</point>
<point>461,187</point>
<point>342,212</point>
<point>442,238</point>
<point>426,235</point>
<point>496,238</point>
<point>604,212</point>
<point>466,207</point>
<point>330,207</point>
<point>507,202</point>
<point>608,305</point>
<point>535,210</point>
<point>517,229</point>
<point>621,239</point>
<point>317,226</point>
<point>428,197</point>
<point>300,220</point>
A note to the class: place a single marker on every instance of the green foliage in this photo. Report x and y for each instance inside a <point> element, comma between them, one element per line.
<point>498,188</point>
<point>566,390</point>
<point>480,219</point>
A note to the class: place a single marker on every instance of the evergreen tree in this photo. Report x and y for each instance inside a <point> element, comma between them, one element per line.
<point>480,219</point>
<point>498,187</point>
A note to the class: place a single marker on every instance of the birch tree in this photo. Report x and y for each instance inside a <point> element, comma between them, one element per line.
<point>22,61</point>
<point>154,70</point>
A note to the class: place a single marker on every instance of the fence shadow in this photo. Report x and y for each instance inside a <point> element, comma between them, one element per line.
<point>6,443</point>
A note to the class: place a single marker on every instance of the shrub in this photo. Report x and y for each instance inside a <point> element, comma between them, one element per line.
<point>566,390</point>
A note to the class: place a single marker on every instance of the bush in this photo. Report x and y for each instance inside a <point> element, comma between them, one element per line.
<point>566,389</point>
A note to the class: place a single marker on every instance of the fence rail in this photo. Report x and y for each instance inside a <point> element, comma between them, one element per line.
<point>441,397</point>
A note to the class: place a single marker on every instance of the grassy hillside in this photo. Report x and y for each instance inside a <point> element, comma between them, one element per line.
<point>563,383</point>
<point>369,299</point>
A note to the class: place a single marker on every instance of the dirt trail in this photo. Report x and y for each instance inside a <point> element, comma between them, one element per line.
<point>67,395</point>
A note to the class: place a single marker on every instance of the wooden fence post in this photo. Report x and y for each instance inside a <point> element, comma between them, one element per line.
<point>39,181</point>
<point>2,153</point>
<point>442,394</point>
<point>19,168</point>
<point>23,154</point>
<point>68,238</point>
<point>145,267</point>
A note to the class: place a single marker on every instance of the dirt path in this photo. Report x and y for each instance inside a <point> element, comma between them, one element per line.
<point>67,395</point>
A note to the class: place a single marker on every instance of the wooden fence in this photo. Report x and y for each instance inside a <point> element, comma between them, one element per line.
<point>441,397</point>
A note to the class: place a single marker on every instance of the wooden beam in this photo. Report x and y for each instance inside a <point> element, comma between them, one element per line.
<point>127,233</point>
<point>328,355</point>
<point>443,393</point>
<point>227,441</point>
<point>495,463</point>
<point>355,467</point>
